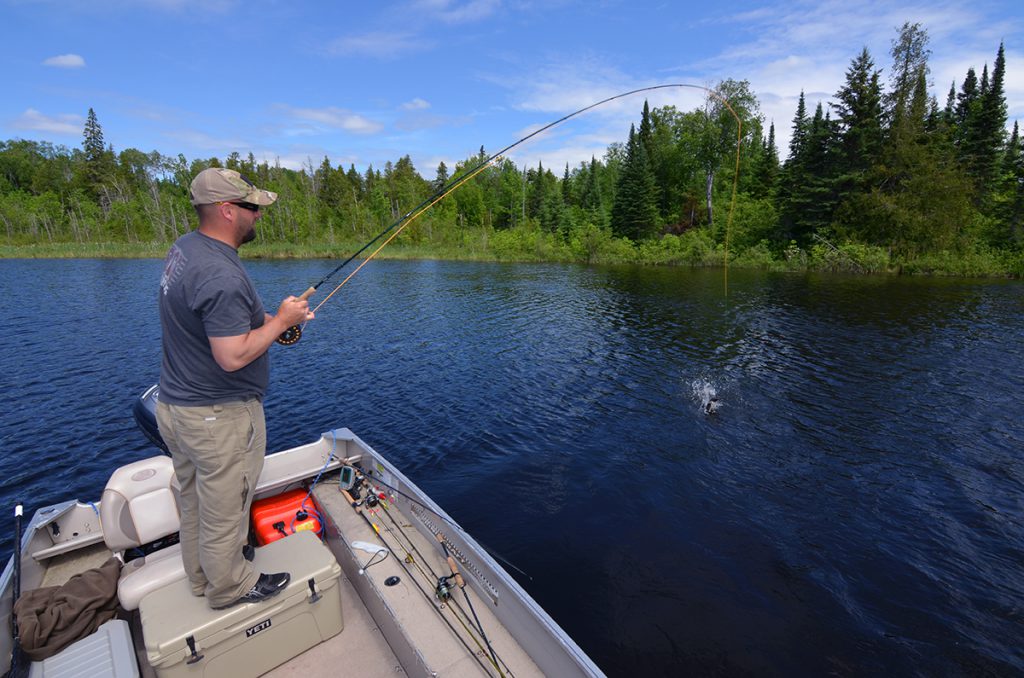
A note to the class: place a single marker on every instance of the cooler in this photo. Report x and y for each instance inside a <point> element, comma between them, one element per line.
<point>276,517</point>
<point>184,637</point>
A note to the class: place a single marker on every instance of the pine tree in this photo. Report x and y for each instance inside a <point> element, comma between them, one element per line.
<point>800,125</point>
<point>819,196</point>
<point>859,126</point>
<point>909,63</point>
<point>965,110</point>
<point>92,142</point>
<point>1011,203</point>
<point>765,168</point>
<point>793,179</point>
<point>635,210</point>
<point>567,192</point>
<point>646,139</point>
<point>99,161</point>
<point>645,130</point>
<point>989,128</point>
<point>949,112</point>
<point>440,178</point>
<point>591,199</point>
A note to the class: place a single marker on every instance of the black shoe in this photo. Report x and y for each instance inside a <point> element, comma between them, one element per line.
<point>267,586</point>
<point>248,552</point>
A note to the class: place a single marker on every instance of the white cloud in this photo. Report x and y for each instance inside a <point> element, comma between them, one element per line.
<point>338,118</point>
<point>415,123</point>
<point>379,45</point>
<point>416,104</point>
<point>451,12</point>
<point>65,61</point>
<point>67,123</point>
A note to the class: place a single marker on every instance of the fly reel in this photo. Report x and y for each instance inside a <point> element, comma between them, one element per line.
<point>290,336</point>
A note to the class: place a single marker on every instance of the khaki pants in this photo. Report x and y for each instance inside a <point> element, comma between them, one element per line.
<point>218,454</point>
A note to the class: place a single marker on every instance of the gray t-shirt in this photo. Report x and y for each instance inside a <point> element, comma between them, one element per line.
<point>205,292</point>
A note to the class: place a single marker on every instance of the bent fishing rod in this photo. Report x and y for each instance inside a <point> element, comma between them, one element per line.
<point>294,333</point>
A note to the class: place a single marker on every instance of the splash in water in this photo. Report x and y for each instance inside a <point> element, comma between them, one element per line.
<point>706,394</point>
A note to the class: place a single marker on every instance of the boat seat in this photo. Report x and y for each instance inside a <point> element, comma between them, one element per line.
<point>139,506</point>
<point>142,575</point>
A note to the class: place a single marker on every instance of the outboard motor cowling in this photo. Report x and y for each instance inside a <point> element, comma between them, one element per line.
<point>144,410</point>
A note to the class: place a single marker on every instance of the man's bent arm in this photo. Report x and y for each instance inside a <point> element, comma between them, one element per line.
<point>234,353</point>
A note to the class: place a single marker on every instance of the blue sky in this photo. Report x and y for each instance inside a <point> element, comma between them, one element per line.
<point>363,83</point>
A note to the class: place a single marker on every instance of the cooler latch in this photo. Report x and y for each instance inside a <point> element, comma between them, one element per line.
<point>314,595</point>
<point>191,641</point>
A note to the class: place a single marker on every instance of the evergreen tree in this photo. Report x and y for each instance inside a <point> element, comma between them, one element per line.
<point>646,132</point>
<point>802,183</point>
<point>635,210</point>
<point>1011,198</point>
<point>800,125</point>
<point>765,168</point>
<point>99,161</point>
<point>859,127</point>
<point>355,180</point>
<point>965,111</point>
<point>818,193</point>
<point>989,128</point>
<point>92,142</point>
<point>949,112</point>
<point>591,198</point>
<point>909,63</point>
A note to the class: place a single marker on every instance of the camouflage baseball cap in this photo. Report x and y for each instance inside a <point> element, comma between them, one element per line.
<point>217,184</point>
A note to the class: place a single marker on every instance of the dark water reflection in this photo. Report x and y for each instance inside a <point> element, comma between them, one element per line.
<point>854,507</point>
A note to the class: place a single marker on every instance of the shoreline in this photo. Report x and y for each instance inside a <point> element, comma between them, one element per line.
<point>937,265</point>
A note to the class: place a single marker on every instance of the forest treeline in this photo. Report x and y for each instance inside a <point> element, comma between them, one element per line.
<point>881,178</point>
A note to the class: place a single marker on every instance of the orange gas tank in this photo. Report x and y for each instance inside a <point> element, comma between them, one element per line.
<point>276,517</point>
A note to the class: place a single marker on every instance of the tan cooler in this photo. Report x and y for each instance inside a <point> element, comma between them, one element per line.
<point>184,637</point>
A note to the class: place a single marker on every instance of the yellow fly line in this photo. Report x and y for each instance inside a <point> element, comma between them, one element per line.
<point>292,335</point>
<point>412,217</point>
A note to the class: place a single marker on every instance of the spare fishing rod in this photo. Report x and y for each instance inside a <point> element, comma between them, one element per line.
<point>357,506</point>
<point>294,333</point>
<point>19,662</point>
<point>461,583</point>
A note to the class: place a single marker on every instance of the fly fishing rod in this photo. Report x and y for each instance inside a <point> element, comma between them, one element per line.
<point>294,333</point>
<point>19,661</point>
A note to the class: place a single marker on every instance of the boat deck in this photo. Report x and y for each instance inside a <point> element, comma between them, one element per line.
<point>438,638</point>
<point>417,633</point>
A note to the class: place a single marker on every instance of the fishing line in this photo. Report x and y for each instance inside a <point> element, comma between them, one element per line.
<point>294,333</point>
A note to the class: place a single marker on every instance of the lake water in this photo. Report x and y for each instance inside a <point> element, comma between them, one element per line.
<point>854,506</point>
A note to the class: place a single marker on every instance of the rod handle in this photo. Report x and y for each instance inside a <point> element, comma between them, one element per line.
<point>455,570</point>
<point>451,562</point>
<point>307,294</point>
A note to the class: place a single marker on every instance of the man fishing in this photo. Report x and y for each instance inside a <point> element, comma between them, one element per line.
<point>213,378</point>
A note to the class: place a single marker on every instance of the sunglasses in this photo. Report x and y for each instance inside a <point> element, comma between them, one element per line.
<point>247,206</point>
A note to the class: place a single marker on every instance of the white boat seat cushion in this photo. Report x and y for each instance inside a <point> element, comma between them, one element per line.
<point>140,504</point>
<point>143,575</point>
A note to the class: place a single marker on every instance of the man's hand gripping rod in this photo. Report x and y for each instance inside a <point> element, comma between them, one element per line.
<point>294,333</point>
